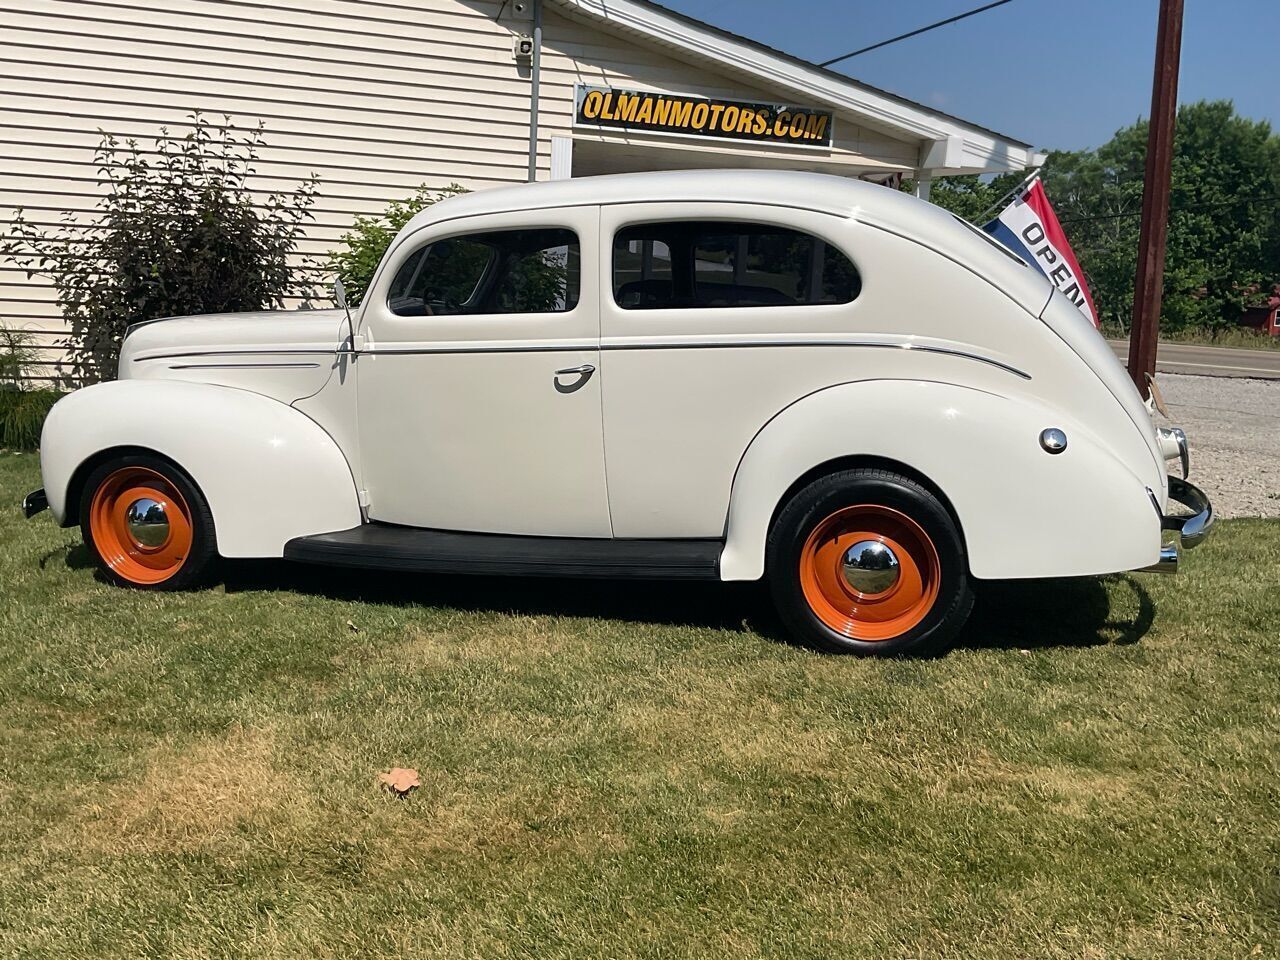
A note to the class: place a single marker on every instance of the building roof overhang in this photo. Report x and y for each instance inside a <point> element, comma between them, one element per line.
<point>948,145</point>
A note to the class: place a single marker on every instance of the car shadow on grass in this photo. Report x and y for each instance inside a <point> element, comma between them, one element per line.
<point>76,556</point>
<point>731,606</point>
<point>1013,614</point>
<point>1065,612</point>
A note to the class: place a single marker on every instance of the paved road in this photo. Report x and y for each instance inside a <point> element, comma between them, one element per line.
<point>1204,361</point>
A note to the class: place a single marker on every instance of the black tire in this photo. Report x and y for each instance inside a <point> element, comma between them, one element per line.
<point>187,562</point>
<point>875,495</point>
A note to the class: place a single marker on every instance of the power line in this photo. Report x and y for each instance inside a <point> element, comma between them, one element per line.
<point>1191,208</point>
<point>915,33</point>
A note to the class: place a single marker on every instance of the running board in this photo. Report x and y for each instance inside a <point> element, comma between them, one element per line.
<point>381,546</point>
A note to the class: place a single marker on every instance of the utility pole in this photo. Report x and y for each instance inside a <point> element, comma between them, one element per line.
<point>1155,197</point>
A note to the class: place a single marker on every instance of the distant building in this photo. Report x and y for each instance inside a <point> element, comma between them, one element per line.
<point>379,97</point>
<point>1265,319</point>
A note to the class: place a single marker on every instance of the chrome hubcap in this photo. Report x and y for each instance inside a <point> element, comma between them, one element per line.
<point>870,567</point>
<point>148,522</point>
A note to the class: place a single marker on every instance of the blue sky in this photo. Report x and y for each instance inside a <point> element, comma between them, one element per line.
<point>1058,73</point>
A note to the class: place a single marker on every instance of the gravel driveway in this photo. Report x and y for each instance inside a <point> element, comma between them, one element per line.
<point>1234,430</point>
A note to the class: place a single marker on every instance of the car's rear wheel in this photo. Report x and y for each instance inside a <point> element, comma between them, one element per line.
<point>147,524</point>
<point>868,561</point>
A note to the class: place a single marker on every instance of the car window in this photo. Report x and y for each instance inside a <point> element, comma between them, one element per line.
<point>726,264</point>
<point>506,271</point>
<point>642,271</point>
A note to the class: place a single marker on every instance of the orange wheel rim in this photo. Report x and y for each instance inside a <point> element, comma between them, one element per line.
<point>141,525</point>
<point>870,572</point>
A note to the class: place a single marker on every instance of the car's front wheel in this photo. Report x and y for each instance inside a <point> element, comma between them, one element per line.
<point>146,524</point>
<point>868,561</point>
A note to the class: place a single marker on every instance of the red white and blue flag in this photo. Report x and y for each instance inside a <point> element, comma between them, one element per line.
<point>1030,228</point>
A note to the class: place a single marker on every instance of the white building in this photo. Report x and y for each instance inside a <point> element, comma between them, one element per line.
<point>378,97</point>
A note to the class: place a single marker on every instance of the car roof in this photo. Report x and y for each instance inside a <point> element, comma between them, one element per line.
<point>818,192</point>
<point>869,203</point>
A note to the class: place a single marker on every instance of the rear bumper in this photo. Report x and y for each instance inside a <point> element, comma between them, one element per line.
<point>1188,531</point>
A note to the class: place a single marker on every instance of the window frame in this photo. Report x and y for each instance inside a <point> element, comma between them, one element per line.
<point>485,283</point>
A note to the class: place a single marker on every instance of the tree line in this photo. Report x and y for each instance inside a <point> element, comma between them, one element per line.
<point>1224,224</point>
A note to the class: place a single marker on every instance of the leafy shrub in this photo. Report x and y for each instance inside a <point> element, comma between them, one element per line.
<point>178,232</point>
<point>365,243</point>
<point>22,414</point>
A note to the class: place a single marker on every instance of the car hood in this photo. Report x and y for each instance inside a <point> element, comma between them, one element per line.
<point>284,354</point>
<point>258,333</point>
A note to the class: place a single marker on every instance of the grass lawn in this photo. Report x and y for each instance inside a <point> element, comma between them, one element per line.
<point>630,770</point>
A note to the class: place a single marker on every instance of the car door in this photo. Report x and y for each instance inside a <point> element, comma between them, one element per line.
<point>714,317</point>
<point>478,392</point>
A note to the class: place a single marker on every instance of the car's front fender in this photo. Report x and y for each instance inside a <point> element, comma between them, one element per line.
<point>1023,512</point>
<point>268,472</point>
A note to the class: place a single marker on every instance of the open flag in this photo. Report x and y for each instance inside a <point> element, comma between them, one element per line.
<point>1029,227</point>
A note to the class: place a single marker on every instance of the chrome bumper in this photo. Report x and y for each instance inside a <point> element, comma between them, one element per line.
<point>1189,531</point>
<point>1173,444</point>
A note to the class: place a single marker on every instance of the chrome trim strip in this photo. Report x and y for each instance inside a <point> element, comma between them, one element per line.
<point>279,351</point>
<point>609,347</point>
<point>707,345</point>
<point>875,344</point>
<point>513,348</point>
<point>243,366</point>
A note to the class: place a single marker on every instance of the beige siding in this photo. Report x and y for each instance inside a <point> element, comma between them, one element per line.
<point>373,96</point>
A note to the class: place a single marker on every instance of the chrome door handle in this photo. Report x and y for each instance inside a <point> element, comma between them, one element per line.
<point>583,373</point>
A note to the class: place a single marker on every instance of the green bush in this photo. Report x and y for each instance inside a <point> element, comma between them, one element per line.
<point>366,242</point>
<point>22,414</point>
<point>178,232</point>
<point>15,354</point>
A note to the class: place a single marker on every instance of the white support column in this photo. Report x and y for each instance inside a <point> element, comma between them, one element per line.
<point>940,155</point>
<point>924,181</point>
<point>561,158</point>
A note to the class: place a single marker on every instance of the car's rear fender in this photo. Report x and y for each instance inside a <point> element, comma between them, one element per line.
<point>1023,512</point>
<point>268,472</point>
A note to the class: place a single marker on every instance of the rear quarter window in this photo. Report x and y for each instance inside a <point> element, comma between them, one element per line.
<point>702,264</point>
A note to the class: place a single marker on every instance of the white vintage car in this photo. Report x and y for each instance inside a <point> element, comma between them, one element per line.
<point>722,375</point>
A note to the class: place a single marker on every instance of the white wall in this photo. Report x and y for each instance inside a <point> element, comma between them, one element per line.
<point>374,96</point>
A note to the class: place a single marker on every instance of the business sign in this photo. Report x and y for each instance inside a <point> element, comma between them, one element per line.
<point>645,111</point>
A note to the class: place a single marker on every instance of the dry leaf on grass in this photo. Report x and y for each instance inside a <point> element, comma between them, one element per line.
<point>399,780</point>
